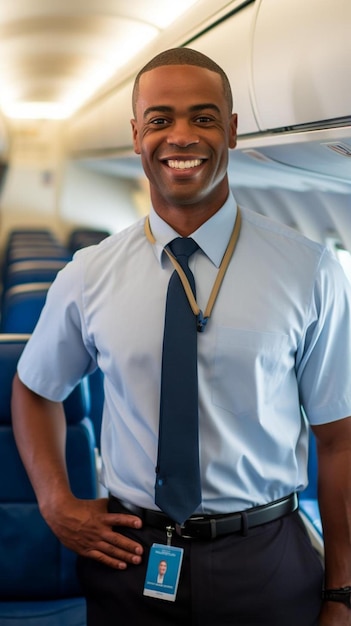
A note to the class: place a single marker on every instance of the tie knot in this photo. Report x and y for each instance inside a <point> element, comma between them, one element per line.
<point>183,246</point>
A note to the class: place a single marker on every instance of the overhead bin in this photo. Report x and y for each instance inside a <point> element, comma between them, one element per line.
<point>105,125</point>
<point>287,61</point>
<point>301,54</point>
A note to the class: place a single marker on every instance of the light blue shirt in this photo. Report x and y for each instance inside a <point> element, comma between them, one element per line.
<point>279,336</point>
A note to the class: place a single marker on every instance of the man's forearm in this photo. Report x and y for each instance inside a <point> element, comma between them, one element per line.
<point>334,489</point>
<point>40,431</point>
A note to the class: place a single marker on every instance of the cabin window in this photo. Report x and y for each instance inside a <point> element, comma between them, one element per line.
<point>343,255</point>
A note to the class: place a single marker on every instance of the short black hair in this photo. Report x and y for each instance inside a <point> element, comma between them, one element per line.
<point>184,56</point>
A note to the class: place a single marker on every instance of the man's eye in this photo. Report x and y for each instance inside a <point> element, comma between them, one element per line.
<point>159,121</point>
<point>203,119</point>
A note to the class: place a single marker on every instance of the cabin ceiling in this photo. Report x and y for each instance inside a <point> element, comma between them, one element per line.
<point>54,54</point>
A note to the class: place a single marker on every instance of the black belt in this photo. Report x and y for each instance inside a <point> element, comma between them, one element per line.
<point>207,527</point>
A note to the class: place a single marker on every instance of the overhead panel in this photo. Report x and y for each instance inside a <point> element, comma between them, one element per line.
<point>105,126</point>
<point>301,62</point>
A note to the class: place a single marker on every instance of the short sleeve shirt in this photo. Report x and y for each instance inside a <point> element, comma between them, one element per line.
<point>276,353</point>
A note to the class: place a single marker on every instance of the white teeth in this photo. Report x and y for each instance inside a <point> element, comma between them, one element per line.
<point>182,165</point>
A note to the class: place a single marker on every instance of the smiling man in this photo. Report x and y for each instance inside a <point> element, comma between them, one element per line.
<point>183,130</point>
<point>275,336</point>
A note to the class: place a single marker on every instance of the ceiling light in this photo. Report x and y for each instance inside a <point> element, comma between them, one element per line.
<point>35,110</point>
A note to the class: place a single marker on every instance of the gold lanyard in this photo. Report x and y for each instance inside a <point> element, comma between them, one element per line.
<point>202,318</point>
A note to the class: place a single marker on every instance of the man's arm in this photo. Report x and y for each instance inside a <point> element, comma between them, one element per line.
<point>84,526</point>
<point>334,494</point>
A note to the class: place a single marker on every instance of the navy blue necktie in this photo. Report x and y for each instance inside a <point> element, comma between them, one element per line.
<point>178,489</point>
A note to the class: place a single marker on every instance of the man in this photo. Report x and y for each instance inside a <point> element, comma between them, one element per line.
<point>278,336</point>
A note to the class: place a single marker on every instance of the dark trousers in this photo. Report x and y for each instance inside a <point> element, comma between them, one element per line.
<point>272,576</point>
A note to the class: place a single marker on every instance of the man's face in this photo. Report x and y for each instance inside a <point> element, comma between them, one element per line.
<point>162,568</point>
<point>182,131</point>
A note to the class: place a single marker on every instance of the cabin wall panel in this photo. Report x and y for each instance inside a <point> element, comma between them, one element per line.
<point>315,213</point>
<point>96,199</point>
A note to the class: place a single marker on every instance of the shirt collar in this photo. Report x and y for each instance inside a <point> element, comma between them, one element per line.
<point>212,237</point>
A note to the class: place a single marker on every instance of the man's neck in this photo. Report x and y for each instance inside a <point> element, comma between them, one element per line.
<point>187,219</point>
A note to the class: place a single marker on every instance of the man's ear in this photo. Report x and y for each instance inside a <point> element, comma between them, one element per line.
<point>233,124</point>
<point>135,136</point>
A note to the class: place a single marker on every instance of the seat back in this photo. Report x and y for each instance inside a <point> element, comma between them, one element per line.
<point>83,237</point>
<point>34,565</point>
<point>35,239</point>
<point>36,271</point>
<point>26,253</point>
<point>21,307</point>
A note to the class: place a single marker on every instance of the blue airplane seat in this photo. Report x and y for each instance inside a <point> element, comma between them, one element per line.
<point>69,612</point>
<point>38,581</point>
<point>83,237</point>
<point>31,252</point>
<point>30,233</point>
<point>28,237</point>
<point>20,311</point>
<point>36,271</point>
<point>29,245</point>
<point>34,239</point>
<point>21,307</point>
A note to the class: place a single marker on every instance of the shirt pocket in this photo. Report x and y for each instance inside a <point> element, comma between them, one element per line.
<point>249,369</point>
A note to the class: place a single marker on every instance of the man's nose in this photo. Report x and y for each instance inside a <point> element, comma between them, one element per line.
<point>182,134</point>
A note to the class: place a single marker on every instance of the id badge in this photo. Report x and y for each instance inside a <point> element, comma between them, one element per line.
<point>163,570</point>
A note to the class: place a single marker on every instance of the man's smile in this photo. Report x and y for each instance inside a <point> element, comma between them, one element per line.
<point>178,164</point>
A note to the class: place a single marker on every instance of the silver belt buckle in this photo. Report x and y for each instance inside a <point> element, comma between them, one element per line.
<point>179,528</point>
